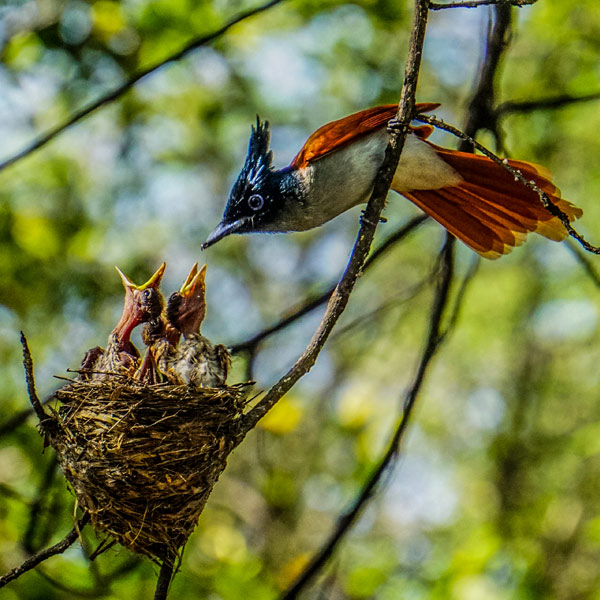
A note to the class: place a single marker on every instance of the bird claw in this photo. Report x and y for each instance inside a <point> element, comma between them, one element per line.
<point>363,219</point>
<point>394,125</point>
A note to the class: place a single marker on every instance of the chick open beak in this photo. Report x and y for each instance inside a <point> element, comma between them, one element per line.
<point>153,282</point>
<point>190,277</point>
<point>194,279</point>
<point>186,309</point>
<point>133,310</point>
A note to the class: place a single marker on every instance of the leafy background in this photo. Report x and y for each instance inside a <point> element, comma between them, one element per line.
<point>497,492</point>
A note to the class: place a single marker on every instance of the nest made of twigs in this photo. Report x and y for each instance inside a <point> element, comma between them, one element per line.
<point>142,460</point>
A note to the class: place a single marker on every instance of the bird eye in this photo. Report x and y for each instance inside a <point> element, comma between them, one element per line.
<point>256,202</point>
<point>146,293</point>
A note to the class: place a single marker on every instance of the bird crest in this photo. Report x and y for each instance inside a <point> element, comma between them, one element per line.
<point>259,158</point>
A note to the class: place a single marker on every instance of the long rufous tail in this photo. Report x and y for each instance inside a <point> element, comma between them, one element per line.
<point>490,211</point>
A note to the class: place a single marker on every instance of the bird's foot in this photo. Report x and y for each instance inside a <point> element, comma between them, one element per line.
<point>395,125</point>
<point>363,219</point>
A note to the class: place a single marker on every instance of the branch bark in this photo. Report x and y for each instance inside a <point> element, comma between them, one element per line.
<point>164,579</point>
<point>477,3</point>
<point>42,415</point>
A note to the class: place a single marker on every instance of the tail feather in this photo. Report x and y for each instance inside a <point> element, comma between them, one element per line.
<point>490,211</point>
<point>477,230</point>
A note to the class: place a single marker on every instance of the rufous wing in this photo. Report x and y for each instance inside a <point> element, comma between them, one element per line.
<point>336,134</point>
<point>490,211</point>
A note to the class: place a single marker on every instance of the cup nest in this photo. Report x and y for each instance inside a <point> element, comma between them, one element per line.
<point>143,459</point>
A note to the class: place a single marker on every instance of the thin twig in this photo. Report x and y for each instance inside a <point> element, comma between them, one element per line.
<point>434,338</point>
<point>43,555</point>
<point>476,3</point>
<point>339,299</point>
<point>33,397</point>
<point>518,176</point>
<point>127,85</point>
<point>585,262</point>
<point>513,106</point>
<point>312,303</point>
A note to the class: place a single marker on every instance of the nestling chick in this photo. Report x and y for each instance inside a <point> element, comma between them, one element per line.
<point>197,361</point>
<point>142,303</point>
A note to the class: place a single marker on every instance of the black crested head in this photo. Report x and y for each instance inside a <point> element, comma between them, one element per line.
<point>255,192</point>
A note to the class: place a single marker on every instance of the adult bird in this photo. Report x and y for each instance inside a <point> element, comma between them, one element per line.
<point>196,361</point>
<point>474,198</point>
<point>121,357</point>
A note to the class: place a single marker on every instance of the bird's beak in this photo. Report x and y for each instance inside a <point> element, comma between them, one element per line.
<point>190,277</point>
<point>190,309</point>
<point>194,279</point>
<point>223,229</point>
<point>132,311</point>
<point>153,282</point>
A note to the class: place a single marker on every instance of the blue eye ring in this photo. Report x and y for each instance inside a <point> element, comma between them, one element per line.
<point>256,202</point>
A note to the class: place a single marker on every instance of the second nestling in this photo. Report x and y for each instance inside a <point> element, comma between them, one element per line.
<point>193,361</point>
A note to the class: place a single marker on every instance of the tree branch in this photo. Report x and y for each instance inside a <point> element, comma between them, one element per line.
<point>43,555</point>
<point>339,298</point>
<point>29,379</point>
<point>528,106</point>
<point>585,263</point>
<point>434,338</point>
<point>164,579</point>
<point>476,3</point>
<point>125,87</point>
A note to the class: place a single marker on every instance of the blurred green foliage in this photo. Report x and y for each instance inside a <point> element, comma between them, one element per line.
<point>498,493</point>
